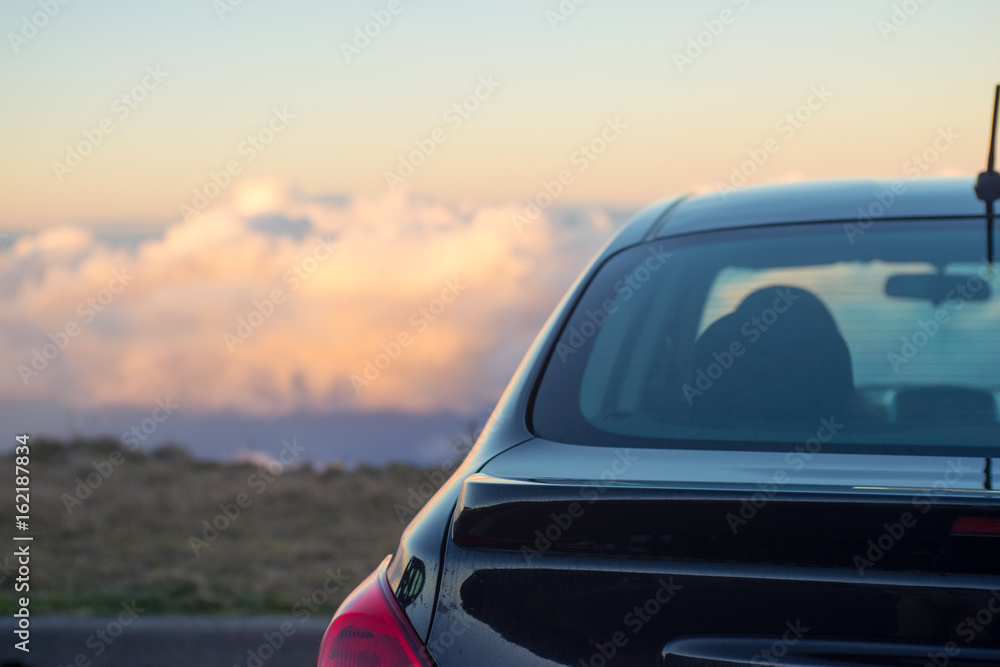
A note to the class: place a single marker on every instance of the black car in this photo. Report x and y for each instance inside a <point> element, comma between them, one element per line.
<point>760,429</point>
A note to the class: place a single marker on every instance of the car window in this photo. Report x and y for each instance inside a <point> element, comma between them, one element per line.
<point>765,335</point>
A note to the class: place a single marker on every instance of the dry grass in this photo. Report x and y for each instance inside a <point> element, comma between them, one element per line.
<point>130,538</point>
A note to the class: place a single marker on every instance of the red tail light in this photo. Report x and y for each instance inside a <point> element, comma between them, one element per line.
<point>976,525</point>
<point>370,630</point>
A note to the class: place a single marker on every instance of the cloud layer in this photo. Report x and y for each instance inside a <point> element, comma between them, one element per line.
<point>271,303</point>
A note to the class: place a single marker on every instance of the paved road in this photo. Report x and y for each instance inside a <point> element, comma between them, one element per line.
<point>165,642</point>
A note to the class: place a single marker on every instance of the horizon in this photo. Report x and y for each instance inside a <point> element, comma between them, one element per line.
<point>352,221</point>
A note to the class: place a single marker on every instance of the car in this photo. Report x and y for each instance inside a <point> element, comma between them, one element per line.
<point>761,428</point>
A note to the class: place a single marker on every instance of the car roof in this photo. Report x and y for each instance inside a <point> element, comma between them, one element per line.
<point>790,203</point>
<point>818,201</point>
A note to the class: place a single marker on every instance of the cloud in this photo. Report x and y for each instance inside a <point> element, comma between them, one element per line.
<point>272,303</point>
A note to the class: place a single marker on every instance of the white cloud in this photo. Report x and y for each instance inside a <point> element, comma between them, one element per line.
<point>163,334</point>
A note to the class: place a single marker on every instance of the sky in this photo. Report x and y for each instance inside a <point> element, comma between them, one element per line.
<point>172,168</point>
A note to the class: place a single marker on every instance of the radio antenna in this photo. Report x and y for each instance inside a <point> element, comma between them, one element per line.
<point>988,184</point>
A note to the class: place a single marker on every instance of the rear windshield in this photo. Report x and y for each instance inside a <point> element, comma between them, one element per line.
<point>756,338</point>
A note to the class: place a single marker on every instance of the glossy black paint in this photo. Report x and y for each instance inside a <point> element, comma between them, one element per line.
<point>726,651</point>
<point>422,543</point>
<point>477,597</point>
<point>564,610</point>
<point>793,527</point>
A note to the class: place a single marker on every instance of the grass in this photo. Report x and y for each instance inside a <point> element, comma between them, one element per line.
<point>130,539</point>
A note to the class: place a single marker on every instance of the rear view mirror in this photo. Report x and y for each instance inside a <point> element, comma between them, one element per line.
<point>936,287</point>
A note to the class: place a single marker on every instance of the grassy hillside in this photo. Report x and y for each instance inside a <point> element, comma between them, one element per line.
<point>131,538</point>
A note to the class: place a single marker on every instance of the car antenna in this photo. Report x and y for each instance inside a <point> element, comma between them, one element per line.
<point>988,184</point>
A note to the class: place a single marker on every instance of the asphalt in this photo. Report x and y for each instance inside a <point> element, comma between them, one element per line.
<point>165,641</point>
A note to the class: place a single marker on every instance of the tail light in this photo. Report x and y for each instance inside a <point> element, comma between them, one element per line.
<point>370,630</point>
<point>976,525</point>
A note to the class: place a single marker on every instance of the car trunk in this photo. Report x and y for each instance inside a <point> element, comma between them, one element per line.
<point>590,556</point>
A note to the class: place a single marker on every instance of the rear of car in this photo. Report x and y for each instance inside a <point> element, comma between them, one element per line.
<point>759,430</point>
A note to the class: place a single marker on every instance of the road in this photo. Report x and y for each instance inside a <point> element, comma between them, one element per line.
<point>164,642</point>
